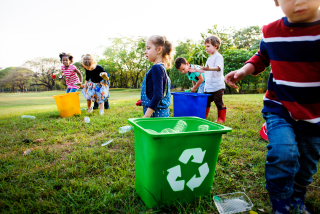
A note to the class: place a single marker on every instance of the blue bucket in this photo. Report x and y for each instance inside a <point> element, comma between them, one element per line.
<point>186,104</point>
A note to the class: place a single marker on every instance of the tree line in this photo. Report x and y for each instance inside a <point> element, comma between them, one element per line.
<point>125,61</point>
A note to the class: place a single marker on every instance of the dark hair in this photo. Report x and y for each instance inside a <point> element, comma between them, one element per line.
<point>63,54</point>
<point>180,61</point>
<point>167,49</point>
<point>213,40</point>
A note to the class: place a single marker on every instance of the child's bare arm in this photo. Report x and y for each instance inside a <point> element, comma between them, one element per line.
<point>79,73</point>
<point>148,113</point>
<point>198,83</point>
<point>216,68</point>
<point>235,76</point>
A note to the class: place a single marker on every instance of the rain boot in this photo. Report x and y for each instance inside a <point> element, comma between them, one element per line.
<point>207,112</point>
<point>280,206</point>
<point>297,199</point>
<point>222,115</point>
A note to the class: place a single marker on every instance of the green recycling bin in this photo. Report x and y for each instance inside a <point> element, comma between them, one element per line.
<point>174,166</point>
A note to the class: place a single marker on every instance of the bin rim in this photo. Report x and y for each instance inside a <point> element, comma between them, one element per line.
<point>133,121</point>
<point>60,95</point>
<point>191,94</point>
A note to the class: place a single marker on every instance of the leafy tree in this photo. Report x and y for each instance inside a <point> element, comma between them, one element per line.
<point>43,69</point>
<point>248,37</point>
<point>17,77</point>
<point>126,56</point>
<point>234,59</point>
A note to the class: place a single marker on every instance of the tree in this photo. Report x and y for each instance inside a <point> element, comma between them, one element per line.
<point>43,69</point>
<point>17,77</point>
<point>248,37</point>
<point>234,59</point>
<point>126,56</point>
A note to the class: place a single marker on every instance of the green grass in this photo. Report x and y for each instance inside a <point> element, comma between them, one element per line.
<point>69,172</point>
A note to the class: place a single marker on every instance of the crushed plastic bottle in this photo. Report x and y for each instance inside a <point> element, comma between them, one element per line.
<point>181,126</point>
<point>87,119</point>
<point>125,129</point>
<point>151,131</point>
<point>106,143</point>
<point>168,130</point>
<point>28,116</point>
<point>203,128</point>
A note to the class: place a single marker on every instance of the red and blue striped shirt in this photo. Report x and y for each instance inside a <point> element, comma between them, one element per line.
<point>293,50</point>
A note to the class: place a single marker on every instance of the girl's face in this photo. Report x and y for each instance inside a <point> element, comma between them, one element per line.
<point>65,61</point>
<point>210,49</point>
<point>152,52</point>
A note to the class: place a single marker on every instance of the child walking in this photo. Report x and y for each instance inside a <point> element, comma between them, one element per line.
<point>155,90</point>
<point>70,72</point>
<point>95,88</point>
<point>292,102</point>
<point>213,71</point>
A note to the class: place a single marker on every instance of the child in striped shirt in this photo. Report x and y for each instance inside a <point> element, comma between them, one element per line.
<point>292,102</point>
<point>70,72</point>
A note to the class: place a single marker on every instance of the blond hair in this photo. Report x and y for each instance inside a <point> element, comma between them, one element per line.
<point>167,49</point>
<point>88,62</point>
<point>213,40</point>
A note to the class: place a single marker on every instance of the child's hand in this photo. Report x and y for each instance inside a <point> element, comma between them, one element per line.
<point>205,68</point>
<point>193,90</point>
<point>234,76</point>
<point>193,70</point>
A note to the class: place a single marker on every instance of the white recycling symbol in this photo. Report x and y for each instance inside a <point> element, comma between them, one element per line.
<point>175,172</point>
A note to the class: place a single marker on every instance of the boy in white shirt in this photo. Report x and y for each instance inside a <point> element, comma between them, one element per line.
<point>214,77</point>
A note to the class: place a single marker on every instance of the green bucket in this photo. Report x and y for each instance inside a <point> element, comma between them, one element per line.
<point>174,166</point>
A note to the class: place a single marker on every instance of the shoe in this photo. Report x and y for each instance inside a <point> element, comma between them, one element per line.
<point>101,112</point>
<point>297,199</point>
<point>222,115</point>
<point>89,110</point>
<point>207,112</point>
<point>280,206</point>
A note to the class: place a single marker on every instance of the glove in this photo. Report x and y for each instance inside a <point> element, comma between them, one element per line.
<point>138,103</point>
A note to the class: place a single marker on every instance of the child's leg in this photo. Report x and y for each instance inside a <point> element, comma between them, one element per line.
<point>73,90</point>
<point>282,161</point>
<point>89,109</point>
<point>222,109</point>
<point>68,90</point>
<point>309,149</point>
<point>209,100</point>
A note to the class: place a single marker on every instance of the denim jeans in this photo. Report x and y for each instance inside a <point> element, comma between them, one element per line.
<point>292,157</point>
<point>201,87</point>
<point>71,90</point>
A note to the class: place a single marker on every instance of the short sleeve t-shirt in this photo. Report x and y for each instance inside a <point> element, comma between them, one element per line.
<point>214,79</point>
<point>194,76</point>
<point>71,76</point>
<point>94,75</point>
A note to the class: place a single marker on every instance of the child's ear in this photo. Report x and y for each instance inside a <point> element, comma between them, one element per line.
<point>159,49</point>
<point>277,3</point>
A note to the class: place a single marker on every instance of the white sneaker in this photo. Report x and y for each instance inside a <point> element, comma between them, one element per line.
<point>101,112</point>
<point>89,110</point>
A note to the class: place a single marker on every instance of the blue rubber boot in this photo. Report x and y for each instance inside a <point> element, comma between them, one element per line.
<point>297,199</point>
<point>280,206</point>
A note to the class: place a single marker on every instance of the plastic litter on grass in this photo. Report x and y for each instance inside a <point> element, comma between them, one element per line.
<point>106,143</point>
<point>232,203</point>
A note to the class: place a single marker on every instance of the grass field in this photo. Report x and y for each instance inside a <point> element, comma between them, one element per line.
<point>69,172</point>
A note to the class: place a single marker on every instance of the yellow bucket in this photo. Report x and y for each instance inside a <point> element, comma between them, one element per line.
<point>68,104</point>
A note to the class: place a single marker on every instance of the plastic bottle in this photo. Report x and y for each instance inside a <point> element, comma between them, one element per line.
<point>181,126</point>
<point>168,130</point>
<point>87,119</point>
<point>28,116</point>
<point>104,76</point>
<point>203,128</point>
<point>125,129</point>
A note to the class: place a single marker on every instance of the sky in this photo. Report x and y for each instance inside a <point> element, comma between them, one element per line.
<point>44,28</point>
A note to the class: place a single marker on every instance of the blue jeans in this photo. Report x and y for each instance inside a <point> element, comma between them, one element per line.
<point>292,157</point>
<point>71,90</point>
<point>201,87</point>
